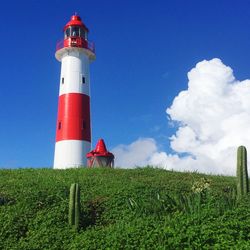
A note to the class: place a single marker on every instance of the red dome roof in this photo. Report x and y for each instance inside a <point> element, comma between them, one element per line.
<point>75,21</point>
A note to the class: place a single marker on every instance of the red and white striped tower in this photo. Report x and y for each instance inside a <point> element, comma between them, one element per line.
<point>73,130</point>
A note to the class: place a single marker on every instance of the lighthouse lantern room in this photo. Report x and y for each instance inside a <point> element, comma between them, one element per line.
<point>73,129</point>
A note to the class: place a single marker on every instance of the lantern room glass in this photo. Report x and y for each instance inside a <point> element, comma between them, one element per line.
<point>75,31</point>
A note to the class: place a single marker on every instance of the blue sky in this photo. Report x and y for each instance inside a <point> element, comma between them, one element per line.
<point>144,50</point>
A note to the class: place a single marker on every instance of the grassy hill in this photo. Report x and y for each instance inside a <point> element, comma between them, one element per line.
<point>122,209</point>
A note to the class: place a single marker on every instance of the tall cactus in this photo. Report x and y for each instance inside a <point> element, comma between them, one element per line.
<point>242,175</point>
<point>74,206</point>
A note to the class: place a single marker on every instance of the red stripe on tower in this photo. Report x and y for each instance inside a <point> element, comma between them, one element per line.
<point>73,122</point>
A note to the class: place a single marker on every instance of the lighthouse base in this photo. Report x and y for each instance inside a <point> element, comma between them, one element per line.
<point>71,154</point>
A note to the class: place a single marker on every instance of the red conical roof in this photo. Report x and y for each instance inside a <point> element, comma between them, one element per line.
<point>75,21</point>
<point>100,150</point>
<point>101,147</point>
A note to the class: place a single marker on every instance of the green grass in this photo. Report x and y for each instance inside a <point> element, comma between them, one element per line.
<point>121,209</point>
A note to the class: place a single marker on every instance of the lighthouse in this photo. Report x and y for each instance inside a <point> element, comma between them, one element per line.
<point>73,127</point>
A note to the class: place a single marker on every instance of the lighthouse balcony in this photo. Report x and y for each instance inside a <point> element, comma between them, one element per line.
<point>76,42</point>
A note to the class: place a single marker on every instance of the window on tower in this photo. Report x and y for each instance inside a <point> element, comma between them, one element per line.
<point>67,33</point>
<point>83,34</point>
<point>59,125</point>
<point>83,125</point>
<point>62,80</point>
<point>83,79</point>
<point>75,31</point>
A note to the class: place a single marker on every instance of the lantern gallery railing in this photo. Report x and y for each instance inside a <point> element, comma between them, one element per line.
<point>76,42</point>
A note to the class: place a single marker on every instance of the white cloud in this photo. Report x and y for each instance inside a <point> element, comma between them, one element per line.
<point>137,153</point>
<point>213,117</point>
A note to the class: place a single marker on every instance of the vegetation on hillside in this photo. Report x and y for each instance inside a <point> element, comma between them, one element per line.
<point>122,209</point>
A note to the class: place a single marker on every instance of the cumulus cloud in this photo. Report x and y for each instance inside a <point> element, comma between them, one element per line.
<point>137,153</point>
<point>212,117</point>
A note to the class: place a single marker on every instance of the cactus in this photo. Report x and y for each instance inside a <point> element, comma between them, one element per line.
<point>242,175</point>
<point>74,206</point>
<point>77,207</point>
